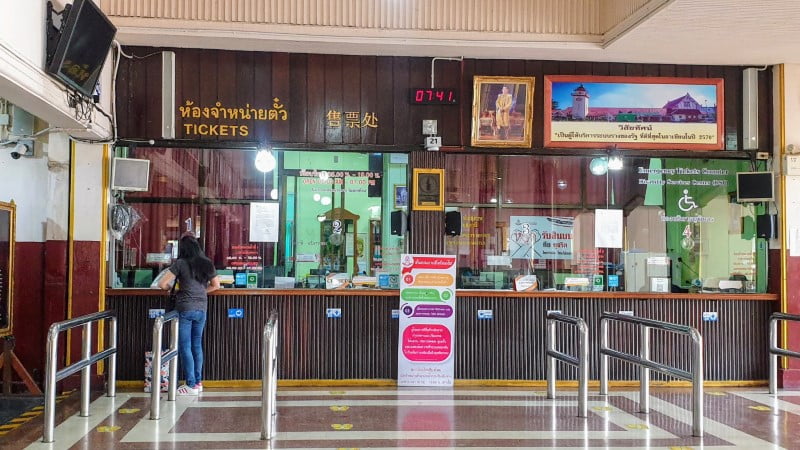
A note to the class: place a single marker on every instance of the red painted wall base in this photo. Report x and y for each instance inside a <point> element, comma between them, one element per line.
<point>789,378</point>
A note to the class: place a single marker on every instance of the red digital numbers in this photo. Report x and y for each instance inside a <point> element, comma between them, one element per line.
<point>433,96</point>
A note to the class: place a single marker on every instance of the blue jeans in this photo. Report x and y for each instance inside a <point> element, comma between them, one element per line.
<point>190,344</point>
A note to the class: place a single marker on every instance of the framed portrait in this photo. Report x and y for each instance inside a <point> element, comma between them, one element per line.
<point>502,111</point>
<point>400,196</point>
<point>634,112</point>
<point>428,190</point>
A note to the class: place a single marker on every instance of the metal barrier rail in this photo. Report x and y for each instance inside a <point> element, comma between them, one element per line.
<point>269,377</point>
<point>775,351</point>
<point>52,375</point>
<point>643,360</point>
<point>581,362</point>
<point>171,356</point>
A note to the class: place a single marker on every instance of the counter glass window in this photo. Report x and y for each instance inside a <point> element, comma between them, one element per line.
<point>632,224</point>
<point>277,219</point>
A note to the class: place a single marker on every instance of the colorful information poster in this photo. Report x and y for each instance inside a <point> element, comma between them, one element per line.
<point>427,320</point>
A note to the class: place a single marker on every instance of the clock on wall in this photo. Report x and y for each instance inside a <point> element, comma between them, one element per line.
<point>433,96</point>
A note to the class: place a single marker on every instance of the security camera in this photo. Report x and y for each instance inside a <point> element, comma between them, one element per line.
<point>22,148</point>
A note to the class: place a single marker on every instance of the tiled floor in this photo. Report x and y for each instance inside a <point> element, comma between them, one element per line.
<point>477,418</point>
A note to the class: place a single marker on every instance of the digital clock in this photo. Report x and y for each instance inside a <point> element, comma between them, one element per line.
<point>433,96</point>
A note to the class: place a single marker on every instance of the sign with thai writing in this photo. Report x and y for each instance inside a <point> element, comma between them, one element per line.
<point>541,237</point>
<point>634,112</point>
<point>225,121</point>
<point>427,320</point>
<point>264,221</point>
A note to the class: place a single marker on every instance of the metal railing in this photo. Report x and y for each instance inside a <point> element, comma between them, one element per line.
<point>158,359</point>
<point>52,375</point>
<point>269,377</point>
<point>643,360</point>
<point>581,362</point>
<point>775,351</point>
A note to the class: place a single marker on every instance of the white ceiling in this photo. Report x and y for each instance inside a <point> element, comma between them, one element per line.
<point>716,32</point>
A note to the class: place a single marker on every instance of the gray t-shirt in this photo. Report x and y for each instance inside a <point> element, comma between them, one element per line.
<point>192,294</point>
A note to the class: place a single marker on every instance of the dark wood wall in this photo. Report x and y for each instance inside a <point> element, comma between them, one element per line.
<point>362,344</point>
<point>310,85</point>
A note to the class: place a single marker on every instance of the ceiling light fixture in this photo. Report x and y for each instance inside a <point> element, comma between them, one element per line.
<point>265,161</point>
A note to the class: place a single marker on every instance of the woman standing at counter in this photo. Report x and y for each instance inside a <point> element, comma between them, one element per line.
<point>196,276</point>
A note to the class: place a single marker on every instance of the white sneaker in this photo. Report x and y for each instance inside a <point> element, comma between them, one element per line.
<point>199,387</point>
<point>186,390</point>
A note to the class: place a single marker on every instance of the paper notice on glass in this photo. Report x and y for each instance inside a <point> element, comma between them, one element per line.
<point>608,228</point>
<point>794,241</point>
<point>264,222</point>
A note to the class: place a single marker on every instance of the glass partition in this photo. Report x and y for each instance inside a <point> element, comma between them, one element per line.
<point>316,218</point>
<point>593,224</point>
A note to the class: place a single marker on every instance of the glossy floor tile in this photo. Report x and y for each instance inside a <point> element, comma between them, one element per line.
<point>386,418</point>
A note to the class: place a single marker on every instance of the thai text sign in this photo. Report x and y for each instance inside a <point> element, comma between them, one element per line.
<point>634,112</point>
<point>219,120</point>
<point>427,320</point>
<point>541,237</point>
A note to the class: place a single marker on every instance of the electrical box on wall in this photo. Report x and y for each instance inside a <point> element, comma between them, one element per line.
<point>791,165</point>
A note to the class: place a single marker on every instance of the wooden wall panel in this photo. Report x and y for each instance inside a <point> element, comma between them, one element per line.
<point>333,98</point>
<point>311,85</point>
<point>315,113</point>
<point>351,99</point>
<point>281,89</point>
<point>363,343</point>
<point>262,94</point>
<point>368,97</point>
<point>298,100</point>
<point>386,111</point>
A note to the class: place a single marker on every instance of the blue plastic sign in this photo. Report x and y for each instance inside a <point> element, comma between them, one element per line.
<point>710,316</point>
<point>485,314</point>
<point>557,311</point>
<point>333,313</point>
<point>153,313</point>
<point>235,313</point>
<point>613,281</point>
<point>395,314</point>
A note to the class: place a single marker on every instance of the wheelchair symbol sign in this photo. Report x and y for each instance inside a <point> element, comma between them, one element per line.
<point>236,313</point>
<point>333,313</point>
<point>686,203</point>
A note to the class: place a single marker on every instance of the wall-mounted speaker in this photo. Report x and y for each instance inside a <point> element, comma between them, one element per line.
<point>750,109</point>
<point>168,95</point>
<point>767,226</point>
<point>452,223</point>
<point>399,223</point>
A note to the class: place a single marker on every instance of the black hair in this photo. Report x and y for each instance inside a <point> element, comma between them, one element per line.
<point>202,268</point>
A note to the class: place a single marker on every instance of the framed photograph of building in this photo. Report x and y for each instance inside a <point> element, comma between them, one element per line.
<point>502,111</point>
<point>634,112</point>
<point>428,190</point>
<point>400,196</point>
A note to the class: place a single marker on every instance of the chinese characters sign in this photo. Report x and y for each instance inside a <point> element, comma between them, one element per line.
<point>350,119</point>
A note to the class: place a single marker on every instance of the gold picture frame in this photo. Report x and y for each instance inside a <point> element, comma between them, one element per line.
<point>502,111</point>
<point>428,192</point>
<point>7,242</point>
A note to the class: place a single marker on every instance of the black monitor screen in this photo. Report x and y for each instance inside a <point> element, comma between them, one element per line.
<point>755,187</point>
<point>85,39</point>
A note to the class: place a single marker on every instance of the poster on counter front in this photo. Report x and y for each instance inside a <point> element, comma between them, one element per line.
<point>427,320</point>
